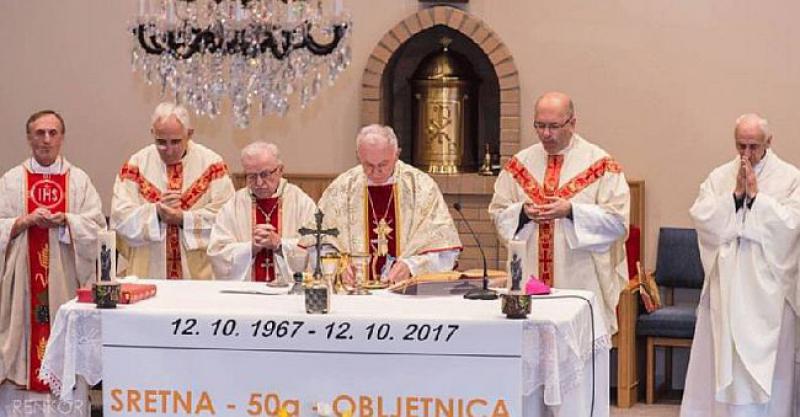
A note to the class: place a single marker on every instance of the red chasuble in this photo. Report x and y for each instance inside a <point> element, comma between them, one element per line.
<point>264,263</point>
<point>380,205</point>
<point>173,244</point>
<point>50,192</point>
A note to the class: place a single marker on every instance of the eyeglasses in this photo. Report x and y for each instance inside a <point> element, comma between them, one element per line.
<point>164,143</point>
<point>551,126</point>
<point>264,175</point>
<point>43,133</point>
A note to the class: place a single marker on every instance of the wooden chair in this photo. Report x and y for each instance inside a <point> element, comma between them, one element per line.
<point>627,309</point>
<point>677,266</point>
<point>625,343</point>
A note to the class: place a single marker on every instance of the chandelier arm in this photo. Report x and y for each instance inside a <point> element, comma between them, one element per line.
<point>280,53</point>
<point>182,50</point>
<point>233,46</point>
<point>211,43</point>
<point>151,48</point>
<point>317,48</point>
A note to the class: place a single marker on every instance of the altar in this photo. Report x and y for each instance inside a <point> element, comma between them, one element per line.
<point>234,348</point>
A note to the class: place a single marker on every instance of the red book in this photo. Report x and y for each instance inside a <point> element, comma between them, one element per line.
<point>131,293</point>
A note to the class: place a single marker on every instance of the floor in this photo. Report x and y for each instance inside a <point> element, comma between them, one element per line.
<point>644,410</point>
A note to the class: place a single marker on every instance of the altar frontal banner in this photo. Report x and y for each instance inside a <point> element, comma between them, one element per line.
<point>381,368</point>
<point>328,333</point>
<point>220,382</point>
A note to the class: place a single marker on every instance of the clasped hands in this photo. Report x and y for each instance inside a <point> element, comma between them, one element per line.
<point>555,208</point>
<point>746,180</point>
<point>42,217</point>
<point>265,236</point>
<point>169,208</point>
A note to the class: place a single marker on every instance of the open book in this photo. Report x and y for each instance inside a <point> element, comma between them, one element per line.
<point>451,282</point>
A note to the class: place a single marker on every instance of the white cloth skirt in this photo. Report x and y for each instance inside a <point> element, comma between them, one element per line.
<point>698,394</point>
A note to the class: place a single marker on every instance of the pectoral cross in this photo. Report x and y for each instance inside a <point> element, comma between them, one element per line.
<point>266,264</point>
<point>318,232</point>
<point>382,230</point>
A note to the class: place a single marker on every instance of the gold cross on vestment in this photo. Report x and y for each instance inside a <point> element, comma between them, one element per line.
<point>382,230</point>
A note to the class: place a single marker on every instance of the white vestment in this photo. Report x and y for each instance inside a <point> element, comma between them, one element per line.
<point>750,257</point>
<point>230,246</point>
<point>428,240</point>
<point>588,251</point>
<point>72,253</point>
<point>205,187</point>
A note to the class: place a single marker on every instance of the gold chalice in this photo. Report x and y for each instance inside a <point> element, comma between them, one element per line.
<point>330,270</point>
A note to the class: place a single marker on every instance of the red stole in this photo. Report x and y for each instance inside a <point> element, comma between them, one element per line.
<point>173,244</point>
<point>50,192</point>
<point>264,264</point>
<point>537,193</point>
<point>546,236</point>
<point>380,205</point>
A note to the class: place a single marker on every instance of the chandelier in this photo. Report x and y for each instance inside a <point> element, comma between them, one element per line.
<point>257,53</point>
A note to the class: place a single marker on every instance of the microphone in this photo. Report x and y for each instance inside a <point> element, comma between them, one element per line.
<point>483,293</point>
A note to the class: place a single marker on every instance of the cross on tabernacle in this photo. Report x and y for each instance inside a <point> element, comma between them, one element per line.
<point>318,232</point>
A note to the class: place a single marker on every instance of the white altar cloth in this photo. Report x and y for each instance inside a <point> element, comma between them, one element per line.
<point>556,345</point>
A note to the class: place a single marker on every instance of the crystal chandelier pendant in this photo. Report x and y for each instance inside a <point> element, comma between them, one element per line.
<point>256,53</point>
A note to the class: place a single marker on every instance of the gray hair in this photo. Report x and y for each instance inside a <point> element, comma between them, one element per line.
<point>259,147</point>
<point>762,123</point>
<point>166,109</point>
<point>368,133</point>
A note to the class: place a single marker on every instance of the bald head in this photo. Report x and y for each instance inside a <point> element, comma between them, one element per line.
<point>752,137</point>
<point>554,120</point>
<point>555,101</point>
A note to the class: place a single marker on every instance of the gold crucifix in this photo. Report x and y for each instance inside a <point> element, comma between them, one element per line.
<point>382,230</point>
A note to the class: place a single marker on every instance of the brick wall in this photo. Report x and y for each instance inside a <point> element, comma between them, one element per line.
<point>475,211</point>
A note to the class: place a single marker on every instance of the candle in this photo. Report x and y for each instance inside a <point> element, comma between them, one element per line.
<point>238,12</point>
<point>171,15</point>
<point>337,8</point>
<point>291,12</point>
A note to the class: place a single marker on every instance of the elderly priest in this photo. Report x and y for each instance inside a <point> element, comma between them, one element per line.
<point>748,222</point>
<point>390,210</point>
<point>50,214</point>
<point>166,197</point>
<point>257,229</point>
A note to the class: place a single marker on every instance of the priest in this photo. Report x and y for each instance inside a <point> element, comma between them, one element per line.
<point>257,230</point>
<point>568,200</point>
<point>748,223</point>
<point>165,199</point>
<point>391,211</point>
<point>50,215</point>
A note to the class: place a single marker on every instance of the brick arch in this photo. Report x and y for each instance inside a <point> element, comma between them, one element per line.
<point>473,28</point>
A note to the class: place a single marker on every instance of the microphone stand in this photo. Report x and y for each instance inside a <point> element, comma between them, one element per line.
<point>483,293</point>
